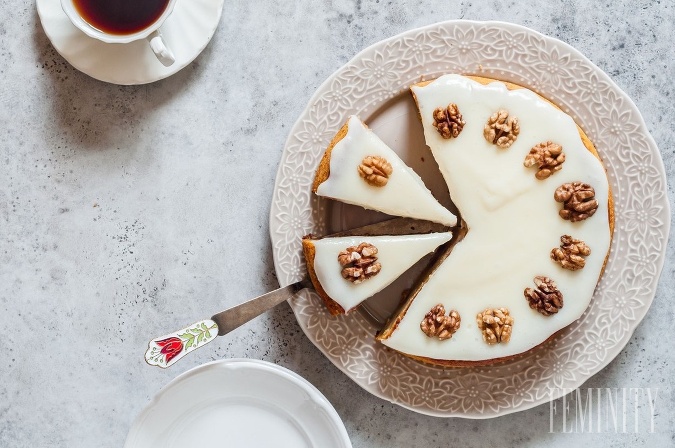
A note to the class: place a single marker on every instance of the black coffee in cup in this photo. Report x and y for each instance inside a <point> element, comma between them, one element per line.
<point>120,16</point>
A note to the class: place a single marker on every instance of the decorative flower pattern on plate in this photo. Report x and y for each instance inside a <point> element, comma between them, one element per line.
<point>416,48</point>
<point>591,85</point>
<point>559,367</point>
<point>641,166</point>
<point>617,122</point>
<point>509,46</point>
<point>642,218</point>
<point>599,341</point>
<point>386,371</point>
<point>474,394</point>
<point>294,222</point>
<point>518,390</point>
<point>644,261</point>
<point>552,68</point>
<point>379,70</point>
<point>313,134</point>
<point>622,304</point>
<point>463,45</point>
<point>343,346</point>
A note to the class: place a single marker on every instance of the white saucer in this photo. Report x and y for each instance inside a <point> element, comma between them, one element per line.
<point>239,403</point>
<point>187,31</point>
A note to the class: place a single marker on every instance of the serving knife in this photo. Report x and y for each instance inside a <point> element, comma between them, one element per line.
<point>166,350</point>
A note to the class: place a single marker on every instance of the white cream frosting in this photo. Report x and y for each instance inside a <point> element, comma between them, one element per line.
<point>396,254</point>
<point>404,194</point>
<point>512,219</point>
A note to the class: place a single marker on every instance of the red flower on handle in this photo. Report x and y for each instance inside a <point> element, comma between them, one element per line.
<point>170,347</point>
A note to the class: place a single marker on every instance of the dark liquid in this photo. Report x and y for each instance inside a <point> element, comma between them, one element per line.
<point>120,16</point>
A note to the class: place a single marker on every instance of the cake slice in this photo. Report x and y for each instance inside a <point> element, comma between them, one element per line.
<point>358,168</point>
<point>346,270</point>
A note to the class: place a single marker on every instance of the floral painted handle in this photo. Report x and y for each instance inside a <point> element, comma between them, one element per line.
<point>166,350</point>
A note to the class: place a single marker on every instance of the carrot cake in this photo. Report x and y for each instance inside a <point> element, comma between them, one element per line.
<point>535,204</point>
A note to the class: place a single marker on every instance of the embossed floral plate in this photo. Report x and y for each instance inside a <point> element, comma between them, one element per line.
<point>239,403</point>
<point>374,85</point>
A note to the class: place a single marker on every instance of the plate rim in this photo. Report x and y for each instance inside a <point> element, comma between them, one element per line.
<point>657,163</point>
<point>317,396</point>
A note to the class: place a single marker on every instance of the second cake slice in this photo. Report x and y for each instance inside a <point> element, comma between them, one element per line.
<point>358,168</point>
<point>346,270</point>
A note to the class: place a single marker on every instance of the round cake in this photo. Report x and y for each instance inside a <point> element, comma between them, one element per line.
<point>536,207</point>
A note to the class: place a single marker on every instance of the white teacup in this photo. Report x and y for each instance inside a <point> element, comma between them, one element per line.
<point>151,32</point>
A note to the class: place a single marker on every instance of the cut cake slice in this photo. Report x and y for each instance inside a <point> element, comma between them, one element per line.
<point>351,171</point>
<point>400,243</point>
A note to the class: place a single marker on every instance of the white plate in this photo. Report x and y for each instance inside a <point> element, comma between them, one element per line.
<point>187,31</point>
<point>374,85</point>
<point>238,403</point>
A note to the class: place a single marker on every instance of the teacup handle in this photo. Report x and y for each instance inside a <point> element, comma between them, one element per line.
<point>163,53</point>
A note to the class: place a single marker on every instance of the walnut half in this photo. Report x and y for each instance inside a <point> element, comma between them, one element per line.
<point>448,121</point>
<point>437,325</point>
<point>548,157</point>
<point>359,263</point>
<point>496,325</point>
<point>501,129</point>
<point>375,170</point>
<point>578,200</point>
<point>547,298</point>
<point>571,253</point>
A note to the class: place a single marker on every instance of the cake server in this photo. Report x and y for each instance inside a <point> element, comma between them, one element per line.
<point>166,350</point>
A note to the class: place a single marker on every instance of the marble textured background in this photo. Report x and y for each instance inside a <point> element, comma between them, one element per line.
<point>129,211</point>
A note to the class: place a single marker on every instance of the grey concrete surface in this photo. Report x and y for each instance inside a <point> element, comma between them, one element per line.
<point>129,211</point>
